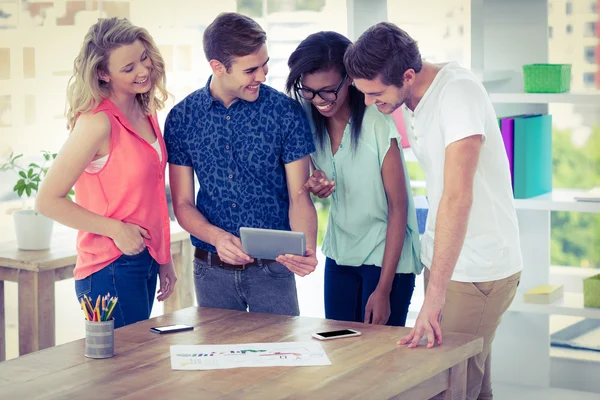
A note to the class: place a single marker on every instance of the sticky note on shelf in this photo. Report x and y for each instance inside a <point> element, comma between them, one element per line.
<point>544,294</point>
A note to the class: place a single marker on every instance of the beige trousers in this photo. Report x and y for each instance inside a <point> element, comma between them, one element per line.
<point>477,308</point>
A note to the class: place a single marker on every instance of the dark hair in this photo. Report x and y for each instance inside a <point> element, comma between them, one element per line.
<point>323,51</point>
<point>386,51</point>
<point>232,35</point>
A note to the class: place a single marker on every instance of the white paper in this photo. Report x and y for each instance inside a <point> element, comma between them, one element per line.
<point>284,354</point>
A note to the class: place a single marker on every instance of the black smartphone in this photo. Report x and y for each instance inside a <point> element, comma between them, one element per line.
<point>171,328</point>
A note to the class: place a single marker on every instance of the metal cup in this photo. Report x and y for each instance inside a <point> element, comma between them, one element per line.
<point>100,339</point>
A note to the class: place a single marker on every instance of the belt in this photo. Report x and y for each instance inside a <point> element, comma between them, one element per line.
<point>215,261</point>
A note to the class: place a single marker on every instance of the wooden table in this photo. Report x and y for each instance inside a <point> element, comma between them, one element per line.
<point>370,366</point>
<point>36,271</point>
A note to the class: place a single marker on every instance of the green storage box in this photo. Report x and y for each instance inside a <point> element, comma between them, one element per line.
<point>547,78</point>
<point>591,291</point>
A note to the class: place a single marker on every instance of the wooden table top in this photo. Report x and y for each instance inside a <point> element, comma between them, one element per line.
<point>369,366</point>
<point>62,250</point>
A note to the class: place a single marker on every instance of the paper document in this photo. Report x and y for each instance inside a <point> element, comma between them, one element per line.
<point>285,354</point>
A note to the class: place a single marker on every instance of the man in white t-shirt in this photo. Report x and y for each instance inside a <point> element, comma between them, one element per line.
<point>471,244</point>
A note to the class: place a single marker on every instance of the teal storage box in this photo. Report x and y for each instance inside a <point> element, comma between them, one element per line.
<point>591,291</point>
<point>532,155</point>
<point>547,78</point>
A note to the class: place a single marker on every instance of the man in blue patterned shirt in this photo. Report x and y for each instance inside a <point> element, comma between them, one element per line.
<point>249,147</point>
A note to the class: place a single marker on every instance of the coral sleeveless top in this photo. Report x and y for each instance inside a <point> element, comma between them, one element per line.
<point>131,188</point>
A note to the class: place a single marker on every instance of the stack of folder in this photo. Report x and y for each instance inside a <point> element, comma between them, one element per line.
<point>544,294</point>
<point>528,144</point>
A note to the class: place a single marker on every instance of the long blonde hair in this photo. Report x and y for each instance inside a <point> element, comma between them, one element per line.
<point>85,90</point>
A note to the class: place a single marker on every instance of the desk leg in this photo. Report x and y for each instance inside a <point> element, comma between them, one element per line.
<point>36,311</point>
<point>2,324</point>
<point>457,384</point>
<point>183,296</point>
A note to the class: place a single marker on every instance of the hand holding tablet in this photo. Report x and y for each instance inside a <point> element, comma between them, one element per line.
<point>270,243</point>
<point>286,247</point>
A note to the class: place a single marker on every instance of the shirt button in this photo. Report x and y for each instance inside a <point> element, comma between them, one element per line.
<point>227,147</point>
<point>160,176</point>
<point>228,118</point>
<point>233,205</point>
<point>230,176</point>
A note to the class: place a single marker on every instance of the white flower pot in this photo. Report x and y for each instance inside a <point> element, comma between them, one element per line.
<point>34,231</point>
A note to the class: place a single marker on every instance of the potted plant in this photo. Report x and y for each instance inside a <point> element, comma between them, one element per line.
<point>33,230</point>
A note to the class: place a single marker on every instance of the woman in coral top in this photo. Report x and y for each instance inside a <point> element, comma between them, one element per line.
<point>115,157</point>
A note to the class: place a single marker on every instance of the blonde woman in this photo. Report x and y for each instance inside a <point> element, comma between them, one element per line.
<point>115,157</point>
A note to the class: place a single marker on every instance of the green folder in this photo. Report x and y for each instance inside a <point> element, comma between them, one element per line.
<point>532,156</point>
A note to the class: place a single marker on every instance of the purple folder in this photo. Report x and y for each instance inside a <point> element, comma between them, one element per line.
<point>507,128</point>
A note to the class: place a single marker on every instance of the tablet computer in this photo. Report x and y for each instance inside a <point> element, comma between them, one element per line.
<point>270,243</point>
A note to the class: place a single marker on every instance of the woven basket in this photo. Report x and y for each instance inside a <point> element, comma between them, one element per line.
<point>547,78</point>
<point>591,291</point>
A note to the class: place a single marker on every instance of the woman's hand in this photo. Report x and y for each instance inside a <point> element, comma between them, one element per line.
<point>129,238</point>
<point>168,278</point>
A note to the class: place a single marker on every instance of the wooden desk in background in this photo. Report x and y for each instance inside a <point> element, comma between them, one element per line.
<point>370,366</point>
<point>36,271</point>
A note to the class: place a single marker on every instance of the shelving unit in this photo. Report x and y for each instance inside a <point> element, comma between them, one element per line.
<point>558,200</point>
<point>545,98</point>
<point>506,34</point>
<point>571,304</point>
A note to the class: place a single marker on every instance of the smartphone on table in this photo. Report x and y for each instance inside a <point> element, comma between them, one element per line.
<point>342,333</point>
<point>171,328</point>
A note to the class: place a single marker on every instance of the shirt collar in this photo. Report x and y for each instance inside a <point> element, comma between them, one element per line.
<point>207,99</point>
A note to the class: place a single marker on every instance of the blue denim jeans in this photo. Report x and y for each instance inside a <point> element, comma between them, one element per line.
<point>266,288</point>
<point>130,278</point>
<point>347,290</point>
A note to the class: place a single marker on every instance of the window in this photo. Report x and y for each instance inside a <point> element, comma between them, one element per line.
<point>589,53</point>
<point>589,29</point>
<point>569,8</point>
<point>4,63</point>
<point>589,79</point>
<point>569,29</point>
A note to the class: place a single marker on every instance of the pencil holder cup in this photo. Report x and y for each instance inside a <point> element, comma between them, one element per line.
<point>100,339</point>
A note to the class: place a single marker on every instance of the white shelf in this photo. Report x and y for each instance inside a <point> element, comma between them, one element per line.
<point>418,184</point>
<point>590,98</point>
<point>569,304</point>
<point>558,200</point>
<point>487,76</point>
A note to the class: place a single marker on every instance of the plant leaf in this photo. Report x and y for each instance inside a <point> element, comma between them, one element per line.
<point>23,174</point>
<point>28,191</point>
<point>20,191</point>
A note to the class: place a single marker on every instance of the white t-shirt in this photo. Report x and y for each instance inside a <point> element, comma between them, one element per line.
<point>456,106</point>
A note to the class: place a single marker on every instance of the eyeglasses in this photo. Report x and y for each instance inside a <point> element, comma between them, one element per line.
<point>327,95</point>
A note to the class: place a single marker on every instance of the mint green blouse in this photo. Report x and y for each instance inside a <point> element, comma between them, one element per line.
<point>358,214</point>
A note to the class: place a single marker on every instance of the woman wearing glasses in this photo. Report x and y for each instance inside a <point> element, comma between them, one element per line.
<point>372,240</point>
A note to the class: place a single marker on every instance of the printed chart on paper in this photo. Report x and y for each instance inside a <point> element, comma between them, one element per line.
<point>284,354</point>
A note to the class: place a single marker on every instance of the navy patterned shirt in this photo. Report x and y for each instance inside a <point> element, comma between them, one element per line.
<point>238,155</point>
